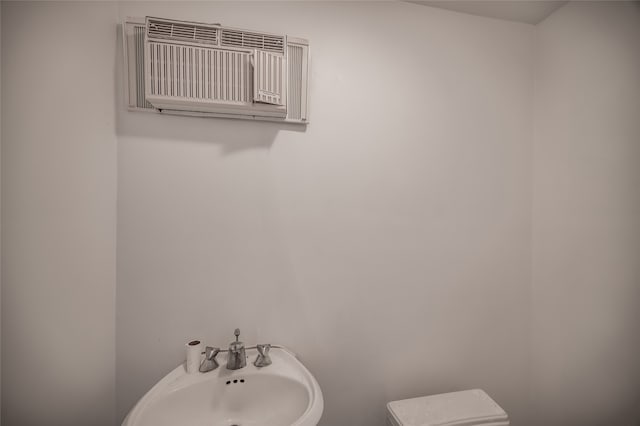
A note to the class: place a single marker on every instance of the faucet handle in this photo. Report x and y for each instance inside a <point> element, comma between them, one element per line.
<point>209,362</point>
<point>210,352</point>
<point>264,349</point>
<point>263,358</point>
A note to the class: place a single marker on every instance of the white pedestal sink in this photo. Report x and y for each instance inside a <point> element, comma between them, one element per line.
<point>282,394</point>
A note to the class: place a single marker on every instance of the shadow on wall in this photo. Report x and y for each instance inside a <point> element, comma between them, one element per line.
<point>225,132</point>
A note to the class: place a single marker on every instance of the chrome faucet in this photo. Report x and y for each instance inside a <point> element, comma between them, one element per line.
<point>237,358</point>
<point>209,362</point>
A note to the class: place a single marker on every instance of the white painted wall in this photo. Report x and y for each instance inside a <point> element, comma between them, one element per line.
<point>586,273</point>
<point>390,247</point>
<point>388,244</point>
<point>0,212</point>
<point>58,213</point>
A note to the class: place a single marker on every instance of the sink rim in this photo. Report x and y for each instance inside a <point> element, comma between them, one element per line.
<point>292,368</point>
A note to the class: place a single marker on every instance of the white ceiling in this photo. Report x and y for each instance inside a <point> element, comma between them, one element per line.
<point>531,12</point>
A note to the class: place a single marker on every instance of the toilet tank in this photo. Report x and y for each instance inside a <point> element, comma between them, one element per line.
<point>464,408</point>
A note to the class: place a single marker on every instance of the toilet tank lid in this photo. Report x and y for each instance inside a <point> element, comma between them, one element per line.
<point>470,407</point>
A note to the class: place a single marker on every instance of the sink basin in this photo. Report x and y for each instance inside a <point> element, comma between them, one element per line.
<point>282,394</point>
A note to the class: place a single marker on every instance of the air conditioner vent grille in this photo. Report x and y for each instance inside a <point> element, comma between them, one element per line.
<point>182,31</point>
<point>239,38</point>
<point>203,74</point>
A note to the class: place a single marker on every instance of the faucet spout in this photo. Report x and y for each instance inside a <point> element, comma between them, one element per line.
<point>237,356</point>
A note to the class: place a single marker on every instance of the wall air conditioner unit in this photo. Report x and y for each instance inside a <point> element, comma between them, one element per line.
<point>191,68</point>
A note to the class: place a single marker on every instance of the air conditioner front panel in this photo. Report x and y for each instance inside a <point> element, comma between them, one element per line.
<point>210,70</point>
